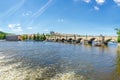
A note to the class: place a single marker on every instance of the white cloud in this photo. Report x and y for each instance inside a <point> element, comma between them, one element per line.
<point>38,13</point>
<point>60,20</point>
<point>87,1</point>
<point>17,24</point>
<point>27,13</point>
<point>29,28</point>
<point>100,1</point>
<point>15,27</point>
<point>117,2</point>
<point>13,9</point>
<point>10,26</point>
<point>96,8</point>
<point>42,9</point>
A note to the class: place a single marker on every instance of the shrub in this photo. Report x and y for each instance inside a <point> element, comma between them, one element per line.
<point>118,39</point>
<point>118,33</point>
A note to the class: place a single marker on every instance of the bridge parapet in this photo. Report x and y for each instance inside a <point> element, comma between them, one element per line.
<point>82,38</point>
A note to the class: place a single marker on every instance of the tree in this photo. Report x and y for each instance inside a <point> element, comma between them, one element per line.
<point>42,37</point>
<point>24,37</point>
<point>30,37</point>
<point>2,35</point>
<point>118,33</point>
<point>34,37</point>
<point>38,37</point>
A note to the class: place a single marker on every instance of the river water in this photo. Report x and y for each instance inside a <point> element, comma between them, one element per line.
<point>58,61</point>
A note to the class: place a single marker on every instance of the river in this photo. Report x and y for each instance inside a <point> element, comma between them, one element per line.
<point>58,61</point>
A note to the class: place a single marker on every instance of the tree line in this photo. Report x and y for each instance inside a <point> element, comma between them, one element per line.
<point>118,33</point>
<point>35,37</point>
<point>42,37</point>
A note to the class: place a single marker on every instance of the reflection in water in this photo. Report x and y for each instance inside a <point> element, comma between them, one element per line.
<point>117,68</point>
<point>16,71</point>
<point>38,61</point>
<point>56,61</point>
<point>104,49</point>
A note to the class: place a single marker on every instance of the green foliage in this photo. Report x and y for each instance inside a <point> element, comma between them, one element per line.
<point>2,35</point>
<point>42,37</point>
<point>24,37</point>
<point>30,38</point>
<point>34,37</point>
<point>118,39</point>
<point>118,33</point>
<point>38,37</point>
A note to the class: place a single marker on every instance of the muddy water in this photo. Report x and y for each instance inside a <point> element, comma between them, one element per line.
<point>58,61</point>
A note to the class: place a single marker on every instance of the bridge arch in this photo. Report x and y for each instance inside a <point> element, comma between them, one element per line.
<point>91,40</point>
<point>106,41</point>
<point>63,39</point>
<point>69,40</point>
<point>57,40</point>
<point>79,40</point>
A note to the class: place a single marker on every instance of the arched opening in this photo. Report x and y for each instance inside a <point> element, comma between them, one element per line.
<point>110,41</point>
<point>91,40</point>
<point>69,40</point>
<point>62,40</point>
<point>78,40</point>
<point>57,40</point>
<point>106,42</point>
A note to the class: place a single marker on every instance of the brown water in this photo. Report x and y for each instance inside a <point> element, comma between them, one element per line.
<point>58,61</point>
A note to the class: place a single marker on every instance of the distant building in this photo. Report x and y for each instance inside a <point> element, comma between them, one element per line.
<point>52,32</point>
<point>13,38</point>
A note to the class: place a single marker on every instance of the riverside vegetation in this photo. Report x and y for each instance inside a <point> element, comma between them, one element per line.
<point>42,37</point>
<point>35,37</point>
<point>2,35</point>
<point>118,33</point>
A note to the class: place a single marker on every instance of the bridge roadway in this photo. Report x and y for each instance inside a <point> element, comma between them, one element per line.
<point>89,39</point>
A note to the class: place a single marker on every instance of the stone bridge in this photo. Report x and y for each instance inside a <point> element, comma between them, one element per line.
<point>78,38</point>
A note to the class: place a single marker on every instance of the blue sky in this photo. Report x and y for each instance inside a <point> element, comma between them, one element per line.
<point>91,17</point>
